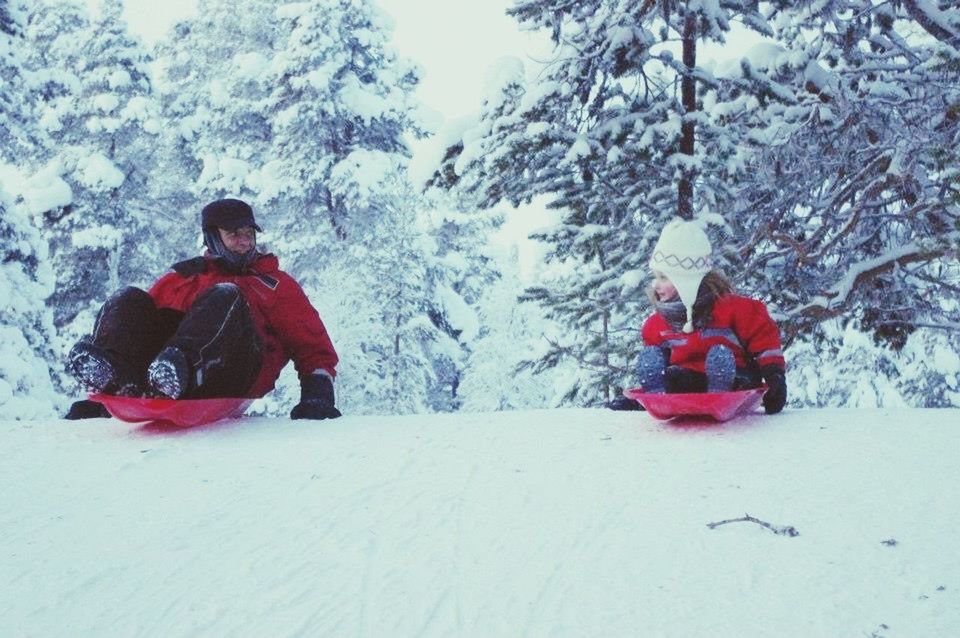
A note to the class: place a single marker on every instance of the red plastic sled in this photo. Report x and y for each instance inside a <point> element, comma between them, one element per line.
<point>182,413</point>
<point>722,406</point>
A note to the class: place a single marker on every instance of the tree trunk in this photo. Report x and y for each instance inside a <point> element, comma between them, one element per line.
<point>605,336</point>
<point>688,94</point>
<point>607,389</point>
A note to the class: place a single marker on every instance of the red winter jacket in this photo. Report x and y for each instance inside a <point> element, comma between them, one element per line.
<point>288,325</point>
<point>740,323</point>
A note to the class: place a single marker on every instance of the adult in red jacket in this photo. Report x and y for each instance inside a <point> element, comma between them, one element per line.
<point>702,337</point>
<point>224,324</point>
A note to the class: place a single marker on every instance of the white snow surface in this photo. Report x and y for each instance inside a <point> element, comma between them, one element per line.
<point>540,523</point>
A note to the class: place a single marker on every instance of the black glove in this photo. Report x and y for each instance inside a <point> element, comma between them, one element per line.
<point>87,409</point>
<point>316,398</point>
<point>776,395</point>
<point>625,403</point>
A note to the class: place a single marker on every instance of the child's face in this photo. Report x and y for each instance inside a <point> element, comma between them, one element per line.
<point>663,287</point>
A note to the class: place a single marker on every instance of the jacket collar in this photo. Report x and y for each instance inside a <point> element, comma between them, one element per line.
<point>265,263</point>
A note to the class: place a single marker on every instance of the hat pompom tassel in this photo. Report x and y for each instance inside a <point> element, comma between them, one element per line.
<point>688,327</point>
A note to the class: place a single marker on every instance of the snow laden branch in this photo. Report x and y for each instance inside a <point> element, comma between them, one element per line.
<point>852,203</point>
<point>782,530</point>
<point>835,301</point>
<point>943,25</point>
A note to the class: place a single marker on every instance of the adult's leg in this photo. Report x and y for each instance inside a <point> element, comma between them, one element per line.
<point>215,351</point>
<point>127,334</point>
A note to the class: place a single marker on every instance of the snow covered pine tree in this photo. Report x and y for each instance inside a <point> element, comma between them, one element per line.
<point>97,110</point>
<point>607,131</point>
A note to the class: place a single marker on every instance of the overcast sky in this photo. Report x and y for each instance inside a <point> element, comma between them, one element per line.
<point>454,41</point>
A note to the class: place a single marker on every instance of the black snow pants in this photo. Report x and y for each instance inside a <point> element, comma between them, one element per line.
<point>216,334</point>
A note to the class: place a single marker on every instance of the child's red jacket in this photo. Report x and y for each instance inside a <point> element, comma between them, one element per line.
<point>740,323</point>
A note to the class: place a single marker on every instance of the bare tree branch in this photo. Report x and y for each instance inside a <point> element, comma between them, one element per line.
<point>782,530</point>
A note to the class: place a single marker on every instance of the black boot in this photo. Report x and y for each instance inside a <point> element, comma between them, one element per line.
<point>169,374</point>
<point>99,370</point>
<point>625,403</point>
<point>87,409</point>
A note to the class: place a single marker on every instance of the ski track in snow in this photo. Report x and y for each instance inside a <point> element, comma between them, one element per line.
<point>553,522</point>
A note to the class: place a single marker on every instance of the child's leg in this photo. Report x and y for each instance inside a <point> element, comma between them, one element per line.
<point>680,380</point>
<point>651,364</point>
<point>747,378</point>
<point>721,368</point>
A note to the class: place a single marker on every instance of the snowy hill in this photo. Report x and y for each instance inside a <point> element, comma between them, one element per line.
<point>544,523</point>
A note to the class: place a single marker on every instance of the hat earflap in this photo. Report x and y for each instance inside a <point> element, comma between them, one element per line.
<point>687,289</point>
<point>233,261</point>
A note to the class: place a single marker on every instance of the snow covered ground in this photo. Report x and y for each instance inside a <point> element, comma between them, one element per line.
<point>543,523</point>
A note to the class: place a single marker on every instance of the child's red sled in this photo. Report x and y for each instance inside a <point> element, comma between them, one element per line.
<point>722,406</point>
<point>182,413</point>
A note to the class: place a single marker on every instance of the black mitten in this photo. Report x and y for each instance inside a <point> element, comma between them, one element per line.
<point>316,398</point>
<point>776,395</point>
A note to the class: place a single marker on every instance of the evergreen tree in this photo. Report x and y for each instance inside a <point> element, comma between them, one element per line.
<point>97,110</point>
<point>213,85</point>
<point>615,132</point>
<point>494,378</point>
<point>460,271</point>
<point>399,345</point>
<point>378,303</point>
<point>928,369</point>
<point>18,135</point>
<point>26,327</point>
<point>851,213</point>
<point>340,107</point>
<point>858,377</point>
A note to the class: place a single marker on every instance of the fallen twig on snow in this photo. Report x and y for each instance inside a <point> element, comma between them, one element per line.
<point>784,530</point>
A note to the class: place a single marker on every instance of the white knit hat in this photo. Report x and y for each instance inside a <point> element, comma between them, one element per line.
<point>683,254</point>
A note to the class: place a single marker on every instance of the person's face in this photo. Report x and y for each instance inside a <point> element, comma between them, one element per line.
<point>239,241</point>
<point>663,287</point>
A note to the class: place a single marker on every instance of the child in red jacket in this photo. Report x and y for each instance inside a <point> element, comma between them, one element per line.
<point>702,337</point>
